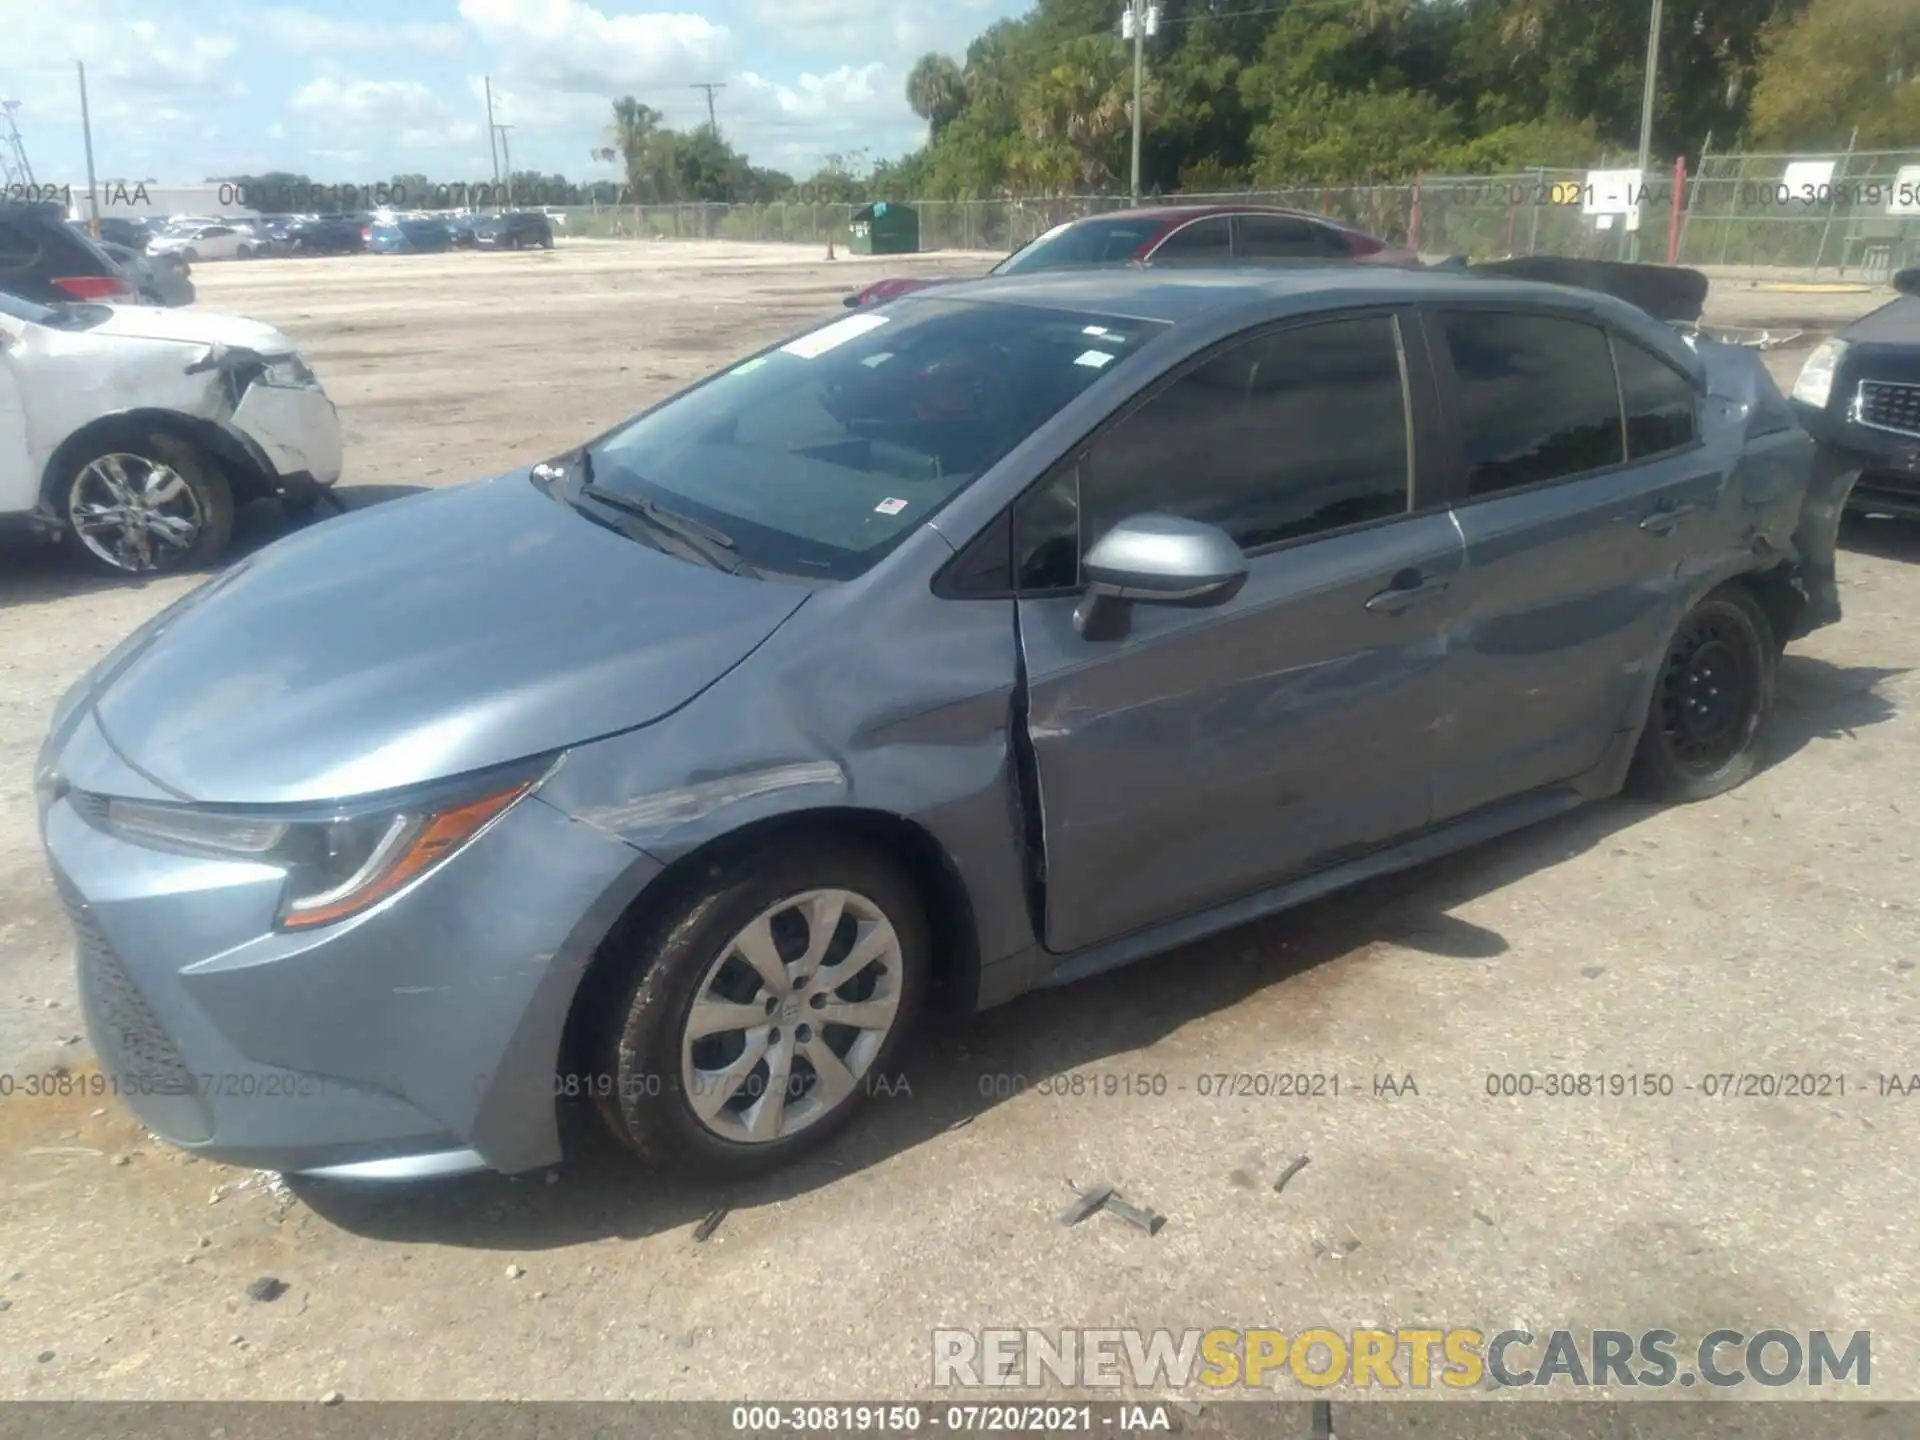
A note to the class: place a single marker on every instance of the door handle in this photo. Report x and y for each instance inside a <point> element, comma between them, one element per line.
<point>1663,520</point>
<point>1408,590</point>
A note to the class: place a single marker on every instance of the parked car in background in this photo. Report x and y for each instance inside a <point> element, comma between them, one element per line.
<point>131,233</point>
<point>224,241</point>
<point>409,237</point>
<point>595,820</point>
<point>160,279</point>
<point>335,233</point>
<point>45,259</point>
<point>130,433</point>
<point>1859,393</point>
<point>1163,234</point>
<point>461,229</point>
<point>514,230</point>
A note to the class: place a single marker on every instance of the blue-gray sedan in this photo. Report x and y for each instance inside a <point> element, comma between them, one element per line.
<point>980,641</point>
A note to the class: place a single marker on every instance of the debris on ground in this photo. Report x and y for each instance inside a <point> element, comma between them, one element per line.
<point>1138,1216</point>
<point>1294,1167</point>
<point>332,1397</point>
<point>1090,1200</point>
<point>1483,1217</point>
<point>704,1231</point>
<point>514,1272</point>
<point>267,1289</point>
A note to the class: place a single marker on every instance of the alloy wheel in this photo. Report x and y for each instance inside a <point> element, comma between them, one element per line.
<point>789,1017</point>
<point>134,513</point>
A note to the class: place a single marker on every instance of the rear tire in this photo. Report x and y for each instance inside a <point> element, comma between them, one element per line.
<point>687,1094</point>
<point>1710,703</point>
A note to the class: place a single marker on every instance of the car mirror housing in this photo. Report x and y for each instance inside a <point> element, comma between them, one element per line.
<point>1907,282</point>
<point>1156,560</point>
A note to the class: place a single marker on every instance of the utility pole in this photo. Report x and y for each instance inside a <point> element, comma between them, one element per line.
<point>1646,111</point>
<point>506,159</point>
<point>86,133</point>
<point>710,86</point>
<point>492,133</point>
<point>1140,20</point>
<point>14,169</point>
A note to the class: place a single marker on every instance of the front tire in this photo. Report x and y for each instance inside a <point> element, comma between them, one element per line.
<point>1710,702</point>
<point>149,505</point>
<point>765,1009</point>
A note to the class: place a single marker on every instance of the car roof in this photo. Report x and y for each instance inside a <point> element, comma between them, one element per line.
<point>1200,212</point>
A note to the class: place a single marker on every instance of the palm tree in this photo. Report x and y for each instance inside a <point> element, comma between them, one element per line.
<point>1083,103</point>
<point>937,91</point>
<point>635,137</point>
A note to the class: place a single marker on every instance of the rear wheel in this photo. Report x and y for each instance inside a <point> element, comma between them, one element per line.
<point>146,506</point>
<point>764,1009</point>
<point>1710,702</point>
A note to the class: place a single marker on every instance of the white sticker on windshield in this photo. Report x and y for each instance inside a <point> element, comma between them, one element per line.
<point>1093,330</point>
<point>1094,359</point>
<point>889,506</point>
<point>749,367</point>
<point>830,337</point>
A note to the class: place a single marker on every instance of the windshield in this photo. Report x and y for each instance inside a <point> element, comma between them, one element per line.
<point>62,317</point>
<point>1083,242</point>
<point>820,456</point>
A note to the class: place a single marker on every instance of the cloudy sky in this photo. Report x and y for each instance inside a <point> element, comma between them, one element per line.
<point>358,90</point>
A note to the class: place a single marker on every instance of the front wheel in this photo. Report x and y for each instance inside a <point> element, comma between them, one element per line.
<point>1710,702</point>
<point>146,506</point>
<point>765,1009</point>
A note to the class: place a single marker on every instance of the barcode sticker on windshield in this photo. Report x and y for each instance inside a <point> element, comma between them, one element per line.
<point>889,506</point>
<point>831,337</point>
<point>1094,359</point>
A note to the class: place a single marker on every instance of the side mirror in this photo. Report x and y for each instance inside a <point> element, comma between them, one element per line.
<point>1907,282</point>
<point>1156,560</point>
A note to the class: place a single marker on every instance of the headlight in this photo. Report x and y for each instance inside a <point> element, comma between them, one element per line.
<point>338,862</point>
<point>1815,384</point>
<point>289,372</point>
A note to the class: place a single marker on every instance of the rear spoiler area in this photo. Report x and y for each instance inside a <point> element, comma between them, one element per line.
<point>1666,292</point>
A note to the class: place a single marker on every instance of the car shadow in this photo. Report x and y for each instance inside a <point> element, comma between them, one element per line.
<point>35,574</point>
<point>962,1067</point>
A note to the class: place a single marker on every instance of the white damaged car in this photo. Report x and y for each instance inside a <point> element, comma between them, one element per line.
<point>130,432</point>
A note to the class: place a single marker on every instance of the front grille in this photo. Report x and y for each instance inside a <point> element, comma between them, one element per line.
<point>1887,406</point>
<point>136,1047</point>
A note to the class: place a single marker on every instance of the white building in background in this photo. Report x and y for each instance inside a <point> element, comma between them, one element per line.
<point>135,201</point>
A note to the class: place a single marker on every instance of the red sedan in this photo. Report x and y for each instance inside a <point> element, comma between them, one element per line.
<point>1187,233</point>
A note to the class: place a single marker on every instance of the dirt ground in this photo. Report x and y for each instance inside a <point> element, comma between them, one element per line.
<point>1771,931</point>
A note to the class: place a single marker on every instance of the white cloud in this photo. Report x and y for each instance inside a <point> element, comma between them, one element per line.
<point>571,47</point>
<point>900,31</point>
<point>305,31</point>
<point>402,113</point>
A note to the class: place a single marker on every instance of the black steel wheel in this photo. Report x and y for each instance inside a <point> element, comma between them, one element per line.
<point>1710,702</point>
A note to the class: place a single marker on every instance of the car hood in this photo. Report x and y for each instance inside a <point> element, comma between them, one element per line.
<point>426,637</point>
<point>193,327</point>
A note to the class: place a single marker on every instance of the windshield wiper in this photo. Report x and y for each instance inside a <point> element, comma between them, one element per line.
<point>716,547</point>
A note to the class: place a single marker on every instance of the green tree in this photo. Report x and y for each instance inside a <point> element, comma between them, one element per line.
<point>1079,109</point>
<point>1841,64</point>
<point>937,91</point>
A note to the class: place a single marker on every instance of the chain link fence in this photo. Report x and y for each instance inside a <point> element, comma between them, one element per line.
<point>1855,214</point>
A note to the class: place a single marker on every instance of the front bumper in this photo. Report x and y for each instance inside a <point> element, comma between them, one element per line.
<point>297,429</point>
<point>418,1038</point>
<point>1885,461</point>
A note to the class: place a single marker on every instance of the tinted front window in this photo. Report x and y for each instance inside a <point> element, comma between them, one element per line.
<point>1659,401</point>
<point>1282,437</point>
<point>1085,242</point>
<point>1198,240</point>
<point>1284,237</point>
<point>1537,398</point>
<point>818,457</point>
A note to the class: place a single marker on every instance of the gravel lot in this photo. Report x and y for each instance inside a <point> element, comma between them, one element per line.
<point>1773,930</point>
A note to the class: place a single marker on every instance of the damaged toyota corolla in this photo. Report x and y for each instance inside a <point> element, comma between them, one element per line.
<point>985,640</point>
<point>130,432</point>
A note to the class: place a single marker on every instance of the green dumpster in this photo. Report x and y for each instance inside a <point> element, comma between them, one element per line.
<point>885,229</point>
